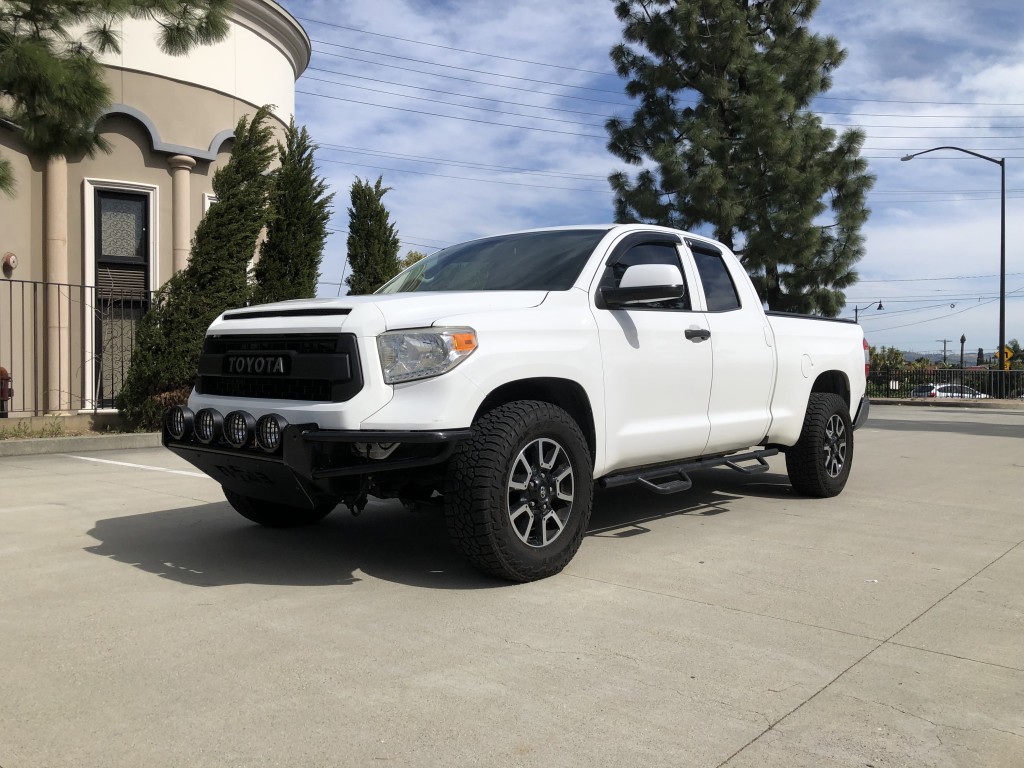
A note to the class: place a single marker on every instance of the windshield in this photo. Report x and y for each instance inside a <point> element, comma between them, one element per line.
<point>527,261</point>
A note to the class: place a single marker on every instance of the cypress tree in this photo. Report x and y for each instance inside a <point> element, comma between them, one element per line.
<point>725,130</point>
<point>51,85</point>
<point>372,239</point>
<point>289,263</point>
<point>170,336</point>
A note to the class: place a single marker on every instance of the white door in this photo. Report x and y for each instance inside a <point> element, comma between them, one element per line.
<point>657,380</point>
<point>744,361</point>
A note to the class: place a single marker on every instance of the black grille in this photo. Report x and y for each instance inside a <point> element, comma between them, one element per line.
<point>270,389</point>
<point>321,367</point>
<point>305,345</point>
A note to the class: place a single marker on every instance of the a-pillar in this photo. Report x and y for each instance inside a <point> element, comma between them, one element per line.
<point>181,219</point>
<point>58,290</point>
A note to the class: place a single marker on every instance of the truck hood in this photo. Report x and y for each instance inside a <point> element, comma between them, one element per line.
<point>419,310</point>
<point>361,313</point>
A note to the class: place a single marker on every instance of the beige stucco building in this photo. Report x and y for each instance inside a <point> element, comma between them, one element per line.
<point>93,237</point>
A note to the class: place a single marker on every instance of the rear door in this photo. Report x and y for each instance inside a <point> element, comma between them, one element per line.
<point>739,409</point>
<point>657,381</point>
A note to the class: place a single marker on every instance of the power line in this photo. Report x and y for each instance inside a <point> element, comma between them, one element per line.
<point>459,163</point>
<point>461,95</point>
<point>605,115</point>
<point>460,50</point>
<point>461,69</point>
<point>478,82</point>
<point>451,104</point>
<point>922,279</point>
<point>401,239</point>
<point>464,178</point>
<point>945,317</point>
<point>452,117</point>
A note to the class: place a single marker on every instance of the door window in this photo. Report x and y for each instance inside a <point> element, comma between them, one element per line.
<point>647,253</point>
<point>719,290</point>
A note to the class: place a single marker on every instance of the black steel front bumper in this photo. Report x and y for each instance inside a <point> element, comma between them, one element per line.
<point>313,464</point>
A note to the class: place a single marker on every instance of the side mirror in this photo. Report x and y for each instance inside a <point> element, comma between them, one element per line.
<point>643,284</point>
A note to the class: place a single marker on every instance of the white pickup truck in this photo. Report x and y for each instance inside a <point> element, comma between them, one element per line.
<point>502,378</point>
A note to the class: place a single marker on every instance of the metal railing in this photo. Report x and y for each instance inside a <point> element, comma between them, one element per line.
<point>67,347</point>
<point>960,383</point>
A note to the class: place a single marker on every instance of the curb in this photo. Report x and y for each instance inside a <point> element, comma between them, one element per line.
<point>31,446</point>
<point>952,402</point>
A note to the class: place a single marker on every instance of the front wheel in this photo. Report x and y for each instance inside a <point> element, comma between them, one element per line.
<point>274,515</point>
<point>518,494</point>
<point>819,464</point>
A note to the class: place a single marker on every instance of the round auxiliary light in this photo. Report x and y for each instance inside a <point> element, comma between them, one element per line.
<point>270,432</point>
<point>238,428</point>
<point>178,421</point>
<point>209,426</point>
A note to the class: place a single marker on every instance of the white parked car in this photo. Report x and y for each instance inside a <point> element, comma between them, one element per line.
<point>505,377</point>
<point>948,390</point>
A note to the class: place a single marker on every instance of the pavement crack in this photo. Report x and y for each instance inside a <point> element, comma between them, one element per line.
<point>998,730</point>
<point>885,642</point>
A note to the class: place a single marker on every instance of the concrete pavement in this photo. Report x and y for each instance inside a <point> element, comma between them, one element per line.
<point>143,622</point>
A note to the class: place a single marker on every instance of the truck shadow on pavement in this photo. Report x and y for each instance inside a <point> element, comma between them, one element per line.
<point>210,545</point>
<point>621,512</point>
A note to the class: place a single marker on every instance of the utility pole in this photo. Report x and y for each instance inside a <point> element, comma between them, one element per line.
<point>944,343</point>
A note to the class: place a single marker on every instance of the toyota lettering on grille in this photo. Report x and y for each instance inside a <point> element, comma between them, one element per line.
<point>258,365</point>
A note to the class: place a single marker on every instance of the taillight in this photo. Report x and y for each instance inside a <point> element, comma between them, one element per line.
<point>867,359</point>
<point>933,393</point>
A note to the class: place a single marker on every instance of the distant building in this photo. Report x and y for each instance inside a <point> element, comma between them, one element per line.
<point>93,237</point>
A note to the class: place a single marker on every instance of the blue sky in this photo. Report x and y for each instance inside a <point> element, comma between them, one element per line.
<point>487,117</point>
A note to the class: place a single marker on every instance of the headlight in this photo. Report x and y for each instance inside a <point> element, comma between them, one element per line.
<point>421,354</point>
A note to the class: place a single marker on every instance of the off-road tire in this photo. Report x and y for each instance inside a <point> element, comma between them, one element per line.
<point>485,473</point>
<point>274,515</point>
<point>819,464</point>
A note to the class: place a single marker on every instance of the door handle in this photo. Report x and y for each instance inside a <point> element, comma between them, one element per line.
<point>698,334</point>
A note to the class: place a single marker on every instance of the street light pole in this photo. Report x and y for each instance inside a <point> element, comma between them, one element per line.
<point>1001,162</point>
<point>856,311</point>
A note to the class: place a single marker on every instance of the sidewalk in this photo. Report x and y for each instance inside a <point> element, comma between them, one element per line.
<point>952,402</point>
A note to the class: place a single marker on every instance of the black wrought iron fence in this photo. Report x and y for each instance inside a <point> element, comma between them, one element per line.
<point>67,347</point>
<point>959,383</point>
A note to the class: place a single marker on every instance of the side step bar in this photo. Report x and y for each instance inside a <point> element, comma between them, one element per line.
<point>675,478</point>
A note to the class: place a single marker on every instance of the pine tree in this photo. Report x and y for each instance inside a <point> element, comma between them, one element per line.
<point>169,340</point>
<point>51,85</point>
<point>723,123</point>
<point>372,240</point>
<point>289,263</point>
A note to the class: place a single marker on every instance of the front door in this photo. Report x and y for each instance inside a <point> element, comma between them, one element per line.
<point>657,381</point>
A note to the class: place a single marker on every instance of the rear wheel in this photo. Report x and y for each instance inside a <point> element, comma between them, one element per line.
<point>819,464</point>
<point>274,515</point>
<point>518,494</point>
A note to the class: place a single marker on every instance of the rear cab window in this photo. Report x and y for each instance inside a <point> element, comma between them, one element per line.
<point>720,292</point>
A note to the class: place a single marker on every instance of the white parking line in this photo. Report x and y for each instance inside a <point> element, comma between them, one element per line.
<point>134,466</point>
